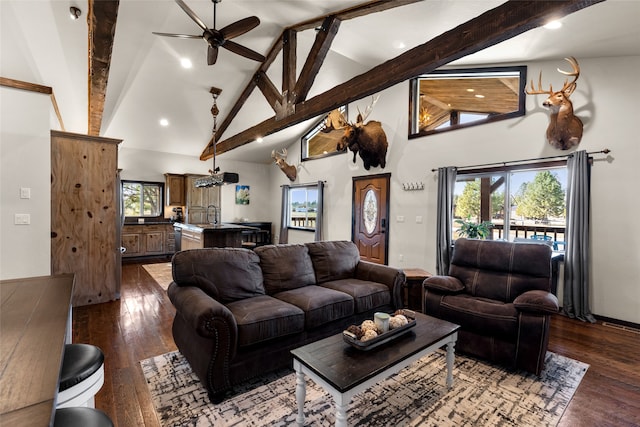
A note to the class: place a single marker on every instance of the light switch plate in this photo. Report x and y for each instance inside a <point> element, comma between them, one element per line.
<point>25,193</point>
<point>22,219</point>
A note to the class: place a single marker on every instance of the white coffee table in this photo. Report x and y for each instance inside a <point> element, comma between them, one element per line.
<point>344,371</point>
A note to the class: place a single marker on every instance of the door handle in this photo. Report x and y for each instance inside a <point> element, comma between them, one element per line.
<point>383,225</point>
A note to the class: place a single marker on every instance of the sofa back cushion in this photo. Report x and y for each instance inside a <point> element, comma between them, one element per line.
<point>285,267</point>
<point>334,260</point>
<point>225,274</point>
<point>501,270</point>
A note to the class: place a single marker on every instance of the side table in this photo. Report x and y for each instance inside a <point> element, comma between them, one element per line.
<point>413,288</point>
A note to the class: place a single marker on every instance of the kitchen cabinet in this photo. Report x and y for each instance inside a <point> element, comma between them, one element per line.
<point>192,239</point>
<point>174,185</point>
<point>85,218</point>
<point>198,199</point>
<point>147,239</point>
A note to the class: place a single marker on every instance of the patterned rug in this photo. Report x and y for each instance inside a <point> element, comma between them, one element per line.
<point>161,273</point>
<point>482,395</point>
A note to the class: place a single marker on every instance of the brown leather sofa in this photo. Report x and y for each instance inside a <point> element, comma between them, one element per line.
<point>240,312</point>
<point>499,293</point>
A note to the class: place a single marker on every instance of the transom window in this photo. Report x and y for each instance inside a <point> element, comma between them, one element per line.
<point>445,100</point>
<point>303,207</point>
<point>142,199</point>
<point>520,202</point>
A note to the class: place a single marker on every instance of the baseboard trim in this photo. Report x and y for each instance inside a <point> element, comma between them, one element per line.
<point>619,324</point>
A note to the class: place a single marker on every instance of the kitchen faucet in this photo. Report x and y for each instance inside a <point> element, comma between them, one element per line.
<point>216,214</point>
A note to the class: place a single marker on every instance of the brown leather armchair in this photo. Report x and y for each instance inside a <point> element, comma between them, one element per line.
<point>500,294</point>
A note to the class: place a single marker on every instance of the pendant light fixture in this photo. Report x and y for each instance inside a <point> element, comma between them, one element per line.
<point>216,177</point>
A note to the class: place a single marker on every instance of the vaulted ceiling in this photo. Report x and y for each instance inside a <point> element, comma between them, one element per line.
<point>40,44</point>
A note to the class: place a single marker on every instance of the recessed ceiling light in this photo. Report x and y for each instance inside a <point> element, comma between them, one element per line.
<point>553,25</point>
<point>186,63</point>
<point>259,139</point>
<point>398,44</point>
<point>164,122</point>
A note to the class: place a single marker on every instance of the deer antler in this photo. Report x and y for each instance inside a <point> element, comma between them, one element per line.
<point>575,74</point>
<point>538,91</point>
<point>367,111</point>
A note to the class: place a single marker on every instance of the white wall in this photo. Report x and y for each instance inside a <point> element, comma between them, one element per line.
<point>606,100</point>
<point>25,162</point>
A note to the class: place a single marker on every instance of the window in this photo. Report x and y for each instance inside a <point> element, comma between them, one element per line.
<point>452,99</point>
<point>521,202</point>
<point>303,207</point>
<point>142,199</point>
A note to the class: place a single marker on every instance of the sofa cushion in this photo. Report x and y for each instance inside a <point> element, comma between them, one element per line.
<point>320,305</point>
<point>285,267</point>
<point>225,274</point>
<point>263,318</point>
<point>366,295</point>
<point>479,315</point>
<point>333,260</point>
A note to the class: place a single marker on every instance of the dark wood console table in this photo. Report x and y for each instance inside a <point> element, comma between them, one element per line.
<point>33,323</point>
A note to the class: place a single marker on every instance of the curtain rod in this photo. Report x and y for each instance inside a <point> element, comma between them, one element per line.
<point>604,151</point>
<point>303,185</point>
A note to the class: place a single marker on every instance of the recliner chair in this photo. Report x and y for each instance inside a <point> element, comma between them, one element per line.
<point>500,294</point>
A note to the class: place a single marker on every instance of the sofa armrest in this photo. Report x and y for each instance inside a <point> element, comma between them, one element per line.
<point>443,284</point>
<point>393,278</point>
<point>537,301</point>
<point>204,314</point>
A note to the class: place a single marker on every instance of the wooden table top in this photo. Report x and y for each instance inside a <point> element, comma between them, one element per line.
<point>345,367</point>
<point>33,319</point>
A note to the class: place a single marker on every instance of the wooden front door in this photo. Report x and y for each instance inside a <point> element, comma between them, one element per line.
<point>370,217</point>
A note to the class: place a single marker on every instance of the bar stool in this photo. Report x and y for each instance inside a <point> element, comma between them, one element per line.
<point>81,376</point>
<point>81,417</point>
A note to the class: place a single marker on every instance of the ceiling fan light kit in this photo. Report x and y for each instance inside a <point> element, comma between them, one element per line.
<point>216,178</point>
<point>220,38</point>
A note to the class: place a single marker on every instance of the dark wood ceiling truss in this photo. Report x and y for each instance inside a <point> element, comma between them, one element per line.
<point>284,104</point>
<point>492,27</point>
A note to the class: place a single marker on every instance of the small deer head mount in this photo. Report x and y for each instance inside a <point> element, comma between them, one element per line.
<point>565,129</point>
<point>280,157</point>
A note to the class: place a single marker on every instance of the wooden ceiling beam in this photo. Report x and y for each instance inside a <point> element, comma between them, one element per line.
<point>289,61</point>
<point>101,20</point>
<point>492,27</point>
<point>316,57</point>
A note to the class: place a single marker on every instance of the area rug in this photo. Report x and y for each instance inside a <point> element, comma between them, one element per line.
<point>161,273</point>
<point>482,395</point>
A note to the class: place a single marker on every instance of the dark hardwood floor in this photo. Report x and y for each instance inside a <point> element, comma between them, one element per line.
<point>138,326</point>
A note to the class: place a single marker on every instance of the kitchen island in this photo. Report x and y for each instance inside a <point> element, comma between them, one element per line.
<point>195,236</point>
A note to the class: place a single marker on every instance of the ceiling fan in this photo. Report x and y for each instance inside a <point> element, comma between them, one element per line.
<point>220,38</point>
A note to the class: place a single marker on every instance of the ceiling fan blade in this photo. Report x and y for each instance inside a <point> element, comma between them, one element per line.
<point>240,27</point>
<point>181,36</point>
<point>212,55</point>
<point>192,15</point>
<point>244,51</point>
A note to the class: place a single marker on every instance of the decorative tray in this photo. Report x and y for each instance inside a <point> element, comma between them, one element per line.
<point>383,338</point>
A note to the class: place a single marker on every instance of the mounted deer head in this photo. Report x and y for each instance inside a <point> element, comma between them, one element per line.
<point>565,129</point>
<point>367,139</point>
<point>280,158</point>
